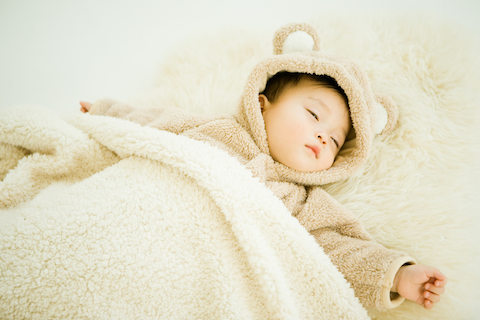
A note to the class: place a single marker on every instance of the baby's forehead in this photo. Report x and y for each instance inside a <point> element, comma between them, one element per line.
<point>316,91</point>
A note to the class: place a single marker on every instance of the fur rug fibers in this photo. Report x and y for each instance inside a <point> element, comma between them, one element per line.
<point>420,191</point>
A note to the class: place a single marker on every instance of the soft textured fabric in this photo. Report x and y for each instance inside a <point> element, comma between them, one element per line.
<point>418,191</point>
<point>151,226</point>
<point>364,263</point>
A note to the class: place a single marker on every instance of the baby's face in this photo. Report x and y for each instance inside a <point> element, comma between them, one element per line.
<point>306,126</point>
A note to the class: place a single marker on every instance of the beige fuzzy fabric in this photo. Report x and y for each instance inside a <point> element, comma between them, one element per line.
<point>418,191</point>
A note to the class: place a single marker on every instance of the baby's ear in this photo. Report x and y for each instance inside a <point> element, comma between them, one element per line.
<point>263,100</point>
<point>296,37</point>
<point>386,114</point>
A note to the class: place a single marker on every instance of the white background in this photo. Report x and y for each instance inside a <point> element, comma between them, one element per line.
<point>56,52</point>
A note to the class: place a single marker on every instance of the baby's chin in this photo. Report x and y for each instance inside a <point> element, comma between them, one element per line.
<point>302,165</point>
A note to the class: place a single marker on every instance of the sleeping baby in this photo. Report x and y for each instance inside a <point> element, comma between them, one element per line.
<point>307,119</point>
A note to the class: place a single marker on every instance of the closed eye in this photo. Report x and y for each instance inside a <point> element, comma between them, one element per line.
<point>313,114</point>
<point>335,141</point>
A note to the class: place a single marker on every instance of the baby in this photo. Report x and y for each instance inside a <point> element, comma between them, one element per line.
<point>289,131</point>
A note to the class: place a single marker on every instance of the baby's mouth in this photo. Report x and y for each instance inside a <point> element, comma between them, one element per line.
<point>315,150</point>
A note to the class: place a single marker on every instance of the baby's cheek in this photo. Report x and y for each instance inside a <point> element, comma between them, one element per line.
<point>331,158</point>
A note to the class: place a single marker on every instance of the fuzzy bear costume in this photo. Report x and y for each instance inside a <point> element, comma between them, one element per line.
<point>368,266</point>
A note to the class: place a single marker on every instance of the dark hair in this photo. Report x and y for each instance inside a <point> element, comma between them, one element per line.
<point>283,80</point>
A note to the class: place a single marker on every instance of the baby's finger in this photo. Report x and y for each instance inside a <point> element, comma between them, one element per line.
<point>435,298</point>
<point>85,106</point>
<point>440,283</point>
<point>428,304</point>
<point>434,289</point>
<point>439,275</point>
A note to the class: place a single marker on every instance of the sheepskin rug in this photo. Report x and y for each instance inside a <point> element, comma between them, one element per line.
<point>420,190</point>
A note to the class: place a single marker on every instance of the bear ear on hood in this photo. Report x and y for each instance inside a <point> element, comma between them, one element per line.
<point>296,37</point>
<point>386,114</point>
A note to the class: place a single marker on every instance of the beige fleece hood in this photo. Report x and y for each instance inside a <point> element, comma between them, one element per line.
<point>297,49</point>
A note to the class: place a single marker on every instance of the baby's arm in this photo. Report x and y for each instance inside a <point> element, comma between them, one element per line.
<point>374,271</point>
<point>421,284</point>
<point>169,119</point>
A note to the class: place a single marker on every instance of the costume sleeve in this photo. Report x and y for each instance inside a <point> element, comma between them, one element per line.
<point>169,119</point>
<point>368,266</point>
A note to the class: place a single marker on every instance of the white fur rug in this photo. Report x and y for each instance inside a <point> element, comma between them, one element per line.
<point>420,191</point>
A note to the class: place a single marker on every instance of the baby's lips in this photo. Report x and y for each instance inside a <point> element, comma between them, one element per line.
<point>315,150</point>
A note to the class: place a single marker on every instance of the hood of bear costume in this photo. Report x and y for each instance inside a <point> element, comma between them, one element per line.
<point>296,48</point>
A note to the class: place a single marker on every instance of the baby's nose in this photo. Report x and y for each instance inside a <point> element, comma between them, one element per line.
<point>322,139</point>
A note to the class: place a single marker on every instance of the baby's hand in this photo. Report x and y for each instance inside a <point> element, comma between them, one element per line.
<point>421,284</point>
<point>85,106</point>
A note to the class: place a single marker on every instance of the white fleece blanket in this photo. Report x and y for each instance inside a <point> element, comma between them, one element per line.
<point>419,191</point>
<point>104,219</point>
